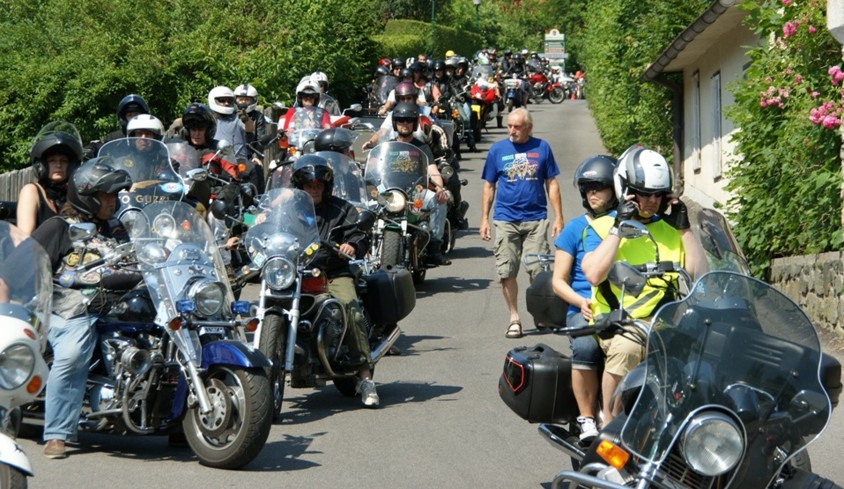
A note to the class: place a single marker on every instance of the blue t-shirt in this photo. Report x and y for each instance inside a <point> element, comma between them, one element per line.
<point>570,241</point>
<point>519,172</point>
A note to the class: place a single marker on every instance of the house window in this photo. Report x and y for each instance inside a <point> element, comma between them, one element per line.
<point>716,125</point>
<point>695,122</point>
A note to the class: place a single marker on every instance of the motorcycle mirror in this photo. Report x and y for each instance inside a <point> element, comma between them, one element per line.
<point>82,231</point>
<point>198,174</point>
<point>223,145</point>
<point>355,108</point>
<point>366,219</point>
<point>624,275</point>
<point>632,230</point>
<point>218,209</point>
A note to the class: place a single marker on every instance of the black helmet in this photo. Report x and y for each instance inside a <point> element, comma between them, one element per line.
<point>599,169</point>
<point>406,110</point>
<point>336,139</point>
<point>416,66</point>
<point>311,167</point>
<point>405,73</point>
<point>398,63</point>
<point>95,175</point>
<point>438,65</point>
<point>381,71</point>
<point>199,115</point>
<point>508,52</point>
<point>130,103</point>
<point>55,137</point>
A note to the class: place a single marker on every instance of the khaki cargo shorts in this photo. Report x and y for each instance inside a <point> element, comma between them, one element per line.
<point>622,354</point>
<point>513,240</point>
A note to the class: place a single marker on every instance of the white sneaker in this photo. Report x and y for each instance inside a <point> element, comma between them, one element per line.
<point>368,394</point>
<point>588,428</point>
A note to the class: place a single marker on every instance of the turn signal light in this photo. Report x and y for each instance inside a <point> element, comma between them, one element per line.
<point>175,324</point>
<point>252,325</point>
<point>34,385</point>
<point>613,454</point>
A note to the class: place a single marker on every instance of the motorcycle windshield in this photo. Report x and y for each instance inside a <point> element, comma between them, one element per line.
<point>348,179</point>
<point>184,157</point>
<point>395,165</point>
<point>385,85</point>
<point>719,244</point>
<point>176,251</point>
<point>300,134</point>
<point>738,346</point>
<point>26,282</point>
<point>483,72</point>
<point>147,161</point>
<point>286,227</point>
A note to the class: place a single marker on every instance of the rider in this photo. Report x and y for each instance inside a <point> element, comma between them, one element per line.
<point>78,296</point>
<point>146,128</point>
<point>306,114</point>
<point>230,127</point>
<point>326,101</point>
<point>644,185</point>
<point>246,98</point>
<point>199,126</point>
<point>129,106</point>
<point>313,174</point>
<point>594,180</point>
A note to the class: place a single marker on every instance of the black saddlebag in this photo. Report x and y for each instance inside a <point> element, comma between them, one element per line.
<point>536,384</point>
<point>390,295</point>
<point>831,377</point>
<point>546,307</point>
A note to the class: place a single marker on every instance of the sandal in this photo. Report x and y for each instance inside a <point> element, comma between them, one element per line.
<point>514,330</point>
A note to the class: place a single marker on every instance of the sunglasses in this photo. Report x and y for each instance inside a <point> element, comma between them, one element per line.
<point>644,193</point>
<point>593,187</point>
<point>404,120</point>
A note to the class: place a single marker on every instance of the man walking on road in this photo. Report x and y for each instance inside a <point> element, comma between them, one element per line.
<point>517,173</point>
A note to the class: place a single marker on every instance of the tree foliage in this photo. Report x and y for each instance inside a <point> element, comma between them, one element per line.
<point>788,108</point>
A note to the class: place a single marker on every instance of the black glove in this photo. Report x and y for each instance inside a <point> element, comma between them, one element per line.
<point>625,211</point>
<point>679,217</point>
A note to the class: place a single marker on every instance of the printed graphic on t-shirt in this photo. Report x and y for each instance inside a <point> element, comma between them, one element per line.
<point>521,168</point>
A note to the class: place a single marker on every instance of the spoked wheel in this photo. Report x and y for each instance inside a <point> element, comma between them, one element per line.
<point>557,95</point>
<point>273,333</point>
<point>236,428</point>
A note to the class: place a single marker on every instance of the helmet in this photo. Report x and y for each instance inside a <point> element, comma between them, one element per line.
<point>306,87</point>
<point>247,90</point>
<point>450,53</point>
<point>336,139</point>
<point>416,66</point>
<point>319,78</point>
<point>463,61</point>
<point>145,121</point>
<point>406,110</point>
<point>534,56</point>
<point>405,89</point>
<point>217,93</point>
<point>398,63</point>
<point>130,103</point>
<point>311,167</point>
<point>492,51</point>
<point>57,136</point>
<point>524,52</point>
<point>199,115</point>
<point>405,73</point>
<point>438,65</point>
<point>381,71</point>
<point>508,52</point>
<point>452,61</point>
<point>95,175</point>
<point>385,62</point>
<point>598,169</point>
<point>643,170</point>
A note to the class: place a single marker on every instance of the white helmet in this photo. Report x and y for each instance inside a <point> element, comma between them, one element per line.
<point>644,170</point>
<point>307,86</point>
<point>247,90</point>
<point>319,78</point>
<point>218,93</point>
<point>146,122</point>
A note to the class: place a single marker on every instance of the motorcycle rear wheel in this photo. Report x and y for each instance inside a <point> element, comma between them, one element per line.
<point>11,478</point>
<point>273,334</point>
<point>557,95</point>
<point>236,429</point>
<point>390,248</point>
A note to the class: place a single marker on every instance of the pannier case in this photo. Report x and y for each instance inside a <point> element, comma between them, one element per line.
<point>390,294</point>
<point>536,384</point>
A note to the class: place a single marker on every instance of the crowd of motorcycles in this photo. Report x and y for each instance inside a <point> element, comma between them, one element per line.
<point>733,388</point>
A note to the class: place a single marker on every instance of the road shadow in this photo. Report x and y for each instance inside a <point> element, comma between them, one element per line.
<point>468,251</point>
<point>439,285</point>
<point>406,344</point>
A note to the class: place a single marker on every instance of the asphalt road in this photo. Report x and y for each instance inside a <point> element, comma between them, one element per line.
<point>441,423</point>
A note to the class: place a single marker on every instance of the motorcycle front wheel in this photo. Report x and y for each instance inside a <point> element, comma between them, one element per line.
<point>390,248</point>
<point>235,430</point>
<point>273,334</point>
<point>557,95</point>
<point>11,478</point>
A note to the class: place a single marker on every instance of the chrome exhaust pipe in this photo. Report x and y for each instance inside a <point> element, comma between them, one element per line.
<point>558,437</point>
<point>385,345</point>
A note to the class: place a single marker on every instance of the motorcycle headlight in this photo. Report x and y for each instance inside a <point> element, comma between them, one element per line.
<point>712,444</point>
<point>164,225</point>
<point>279,273</point>
<point>395,201</point>
<point>208,296</point>
<point>16,365</point>
<point>134,222</point>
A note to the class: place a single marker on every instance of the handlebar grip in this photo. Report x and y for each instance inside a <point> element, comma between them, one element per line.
<point>577,332</point>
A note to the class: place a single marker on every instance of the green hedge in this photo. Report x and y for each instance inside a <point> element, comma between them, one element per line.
<point>407,38</point>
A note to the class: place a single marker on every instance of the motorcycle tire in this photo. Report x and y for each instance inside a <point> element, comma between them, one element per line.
<point>419,276</point>
<point>272,341</point>
<point>236,429</point>
<point>11,478</point>
<point>476,129</point>
<point>557,95</point>
<point>390,248</point>
<point>509,105</point>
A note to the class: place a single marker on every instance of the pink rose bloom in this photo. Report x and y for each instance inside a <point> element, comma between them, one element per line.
<point>815,94</point>
<point>786,2</point>
<point>812,29</point>
<point>831,122</point>
<point>763,103</point>
<point>798,79</point>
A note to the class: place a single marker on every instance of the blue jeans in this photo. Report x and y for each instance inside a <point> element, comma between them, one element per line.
<point>72,341</point>
<point>586,353</point>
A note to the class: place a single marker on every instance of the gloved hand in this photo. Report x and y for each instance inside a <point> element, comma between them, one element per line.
<point>679,217</point>
<point>625,211</point>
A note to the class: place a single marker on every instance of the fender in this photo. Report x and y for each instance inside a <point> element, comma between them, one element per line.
<point>13,455</point>
<point>232,352</point>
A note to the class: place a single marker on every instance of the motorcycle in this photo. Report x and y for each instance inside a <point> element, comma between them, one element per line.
<point>542,87</point>
<point>513,92</point>
<point>171,356</point>
<point>396,177</point>
<point>484,105</point>
<point>733,388</point>
<point>25,304</point>
<point>302,328</point>
<point>457,207</point>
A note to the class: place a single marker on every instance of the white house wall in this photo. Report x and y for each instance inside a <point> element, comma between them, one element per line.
<point>728,58</point>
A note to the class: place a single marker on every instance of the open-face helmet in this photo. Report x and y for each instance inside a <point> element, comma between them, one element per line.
<point>597,171</point>
<point>145,122</point>
<point>311,167</point>
<point>246,90</point>
<point>643,171</point>
<point>406,110</point>
<point>55,137</point>
<point>198,115</point>
<point>130,103</point>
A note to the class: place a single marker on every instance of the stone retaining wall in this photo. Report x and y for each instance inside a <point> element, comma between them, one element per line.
<point>816,282</point>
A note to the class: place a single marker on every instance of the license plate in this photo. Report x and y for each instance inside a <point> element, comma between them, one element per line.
<point>212,330</point>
